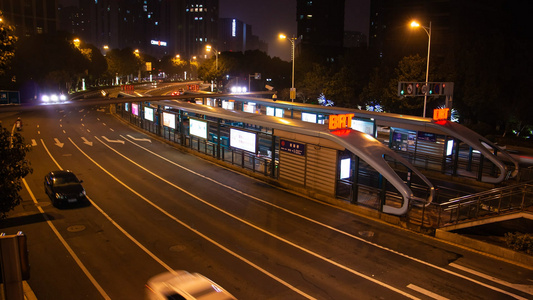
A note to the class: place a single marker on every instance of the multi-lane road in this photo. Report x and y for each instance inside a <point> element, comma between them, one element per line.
<point>154,208</point>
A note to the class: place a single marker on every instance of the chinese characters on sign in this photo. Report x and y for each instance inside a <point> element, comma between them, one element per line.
<point>292,147</point>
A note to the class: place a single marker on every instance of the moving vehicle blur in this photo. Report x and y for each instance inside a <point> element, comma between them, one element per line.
<point>183,285</point>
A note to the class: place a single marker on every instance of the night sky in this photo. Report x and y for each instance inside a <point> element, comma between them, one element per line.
<point>269,18</point>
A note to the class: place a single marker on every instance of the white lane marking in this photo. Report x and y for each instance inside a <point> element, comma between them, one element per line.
<point>521,287</point>
<point>33,142</point>
<point>58,143</point>
<point>112,141</point>
<point>369,278</point>
<point>64,131</point>
<point>426,292</point>
<point>186,226</point>
<point>139,139</point>
<point>112,129</point>
<point>85,141</point>
<point>56,232</point>
<point>322,224</point>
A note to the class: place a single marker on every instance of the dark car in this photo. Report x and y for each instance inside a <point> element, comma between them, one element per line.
<point>63,187</point>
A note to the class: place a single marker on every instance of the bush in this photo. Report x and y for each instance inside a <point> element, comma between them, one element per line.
<point>520,242</point>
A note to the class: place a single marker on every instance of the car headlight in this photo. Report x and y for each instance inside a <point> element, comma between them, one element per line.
<point>60,196</point>
<point>62,97</point>
<point>45,98</point>
<point>54,98</point>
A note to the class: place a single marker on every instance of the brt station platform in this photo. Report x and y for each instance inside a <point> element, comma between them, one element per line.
<point>376,161</point>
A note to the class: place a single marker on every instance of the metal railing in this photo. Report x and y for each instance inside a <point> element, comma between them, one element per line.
<point>487,204</point>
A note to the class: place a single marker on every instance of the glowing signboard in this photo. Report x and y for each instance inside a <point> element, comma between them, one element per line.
<point>307,117</point>
<point>242,140</point>
<point>135,109</point>
<point>345,168</point>
<point>149,113</point>
<point>340,121</point>
<point>169,120</point>
<point>198,128</point>
<point>158,43</point>
<point>441,114</point>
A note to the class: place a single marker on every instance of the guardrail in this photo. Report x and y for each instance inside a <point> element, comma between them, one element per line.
<point>492,203</point>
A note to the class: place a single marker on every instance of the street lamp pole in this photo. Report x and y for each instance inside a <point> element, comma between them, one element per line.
<point>292,40</point>
<point>428,32</point>
<point>209,48</point>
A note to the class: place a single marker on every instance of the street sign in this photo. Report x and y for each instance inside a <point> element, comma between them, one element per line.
<point>434,89</point>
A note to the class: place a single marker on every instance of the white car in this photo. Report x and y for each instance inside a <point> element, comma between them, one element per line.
<point>182,285</point>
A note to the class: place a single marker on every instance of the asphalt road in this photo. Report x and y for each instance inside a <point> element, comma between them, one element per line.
<point>154,208</point>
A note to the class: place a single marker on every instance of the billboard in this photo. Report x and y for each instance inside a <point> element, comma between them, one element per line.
<point>169,120</point>
<point>149,113</point>
<point>135,109</point>
<point>243,140</point>
<point>198,128</point>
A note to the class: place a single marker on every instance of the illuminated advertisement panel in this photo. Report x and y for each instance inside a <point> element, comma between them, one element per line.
<point>307,117</point>
<point>198,128</point>
<point>169,120</point>
<point>230,105</point>
<point>249,107</point>
<point>242,140</point>
<point>345,168</point>
<point>279,112</point>
<point>135,109</point>
<point>126,106</point>
<point>363,126</point>
<point>270,111</point>
<point>149,113</point>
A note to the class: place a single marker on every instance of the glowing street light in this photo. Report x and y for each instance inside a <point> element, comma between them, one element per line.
<point>292,40</point>
<point>415,24</point>
<point>76,42</point>
<point>208,48</point>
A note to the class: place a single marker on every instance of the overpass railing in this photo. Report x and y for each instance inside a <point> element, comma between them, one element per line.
<point>487,204</point>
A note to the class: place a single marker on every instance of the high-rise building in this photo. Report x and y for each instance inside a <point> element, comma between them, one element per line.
<point>200,26</point>
<point>320,28</point>
<point>236,36</point>
<point>31,17</point>
<point>157,28</point>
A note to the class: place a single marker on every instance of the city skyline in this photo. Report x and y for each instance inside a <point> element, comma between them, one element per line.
<point>259,13</point>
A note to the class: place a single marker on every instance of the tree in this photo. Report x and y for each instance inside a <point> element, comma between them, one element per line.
<point>122,62</point>
<point>51,60</point>
<point>7,45</point>
<point>13,167</point>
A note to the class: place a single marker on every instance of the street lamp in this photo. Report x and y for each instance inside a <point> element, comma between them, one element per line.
<point>208,48</point>
<point>292,40</point>
<point>428,31</point>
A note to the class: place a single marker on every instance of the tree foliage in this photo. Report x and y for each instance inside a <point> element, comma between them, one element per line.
<point>7,45</point>
<point>13,167</point>
<point>121,62</point>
